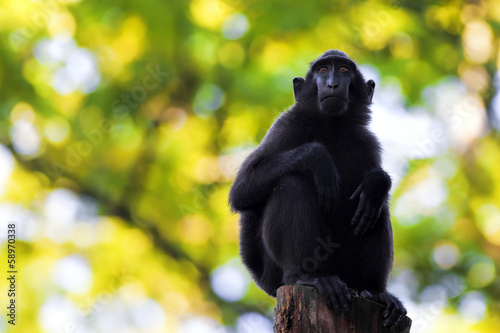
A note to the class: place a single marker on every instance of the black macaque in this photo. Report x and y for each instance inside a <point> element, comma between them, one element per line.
<point>313,198</point>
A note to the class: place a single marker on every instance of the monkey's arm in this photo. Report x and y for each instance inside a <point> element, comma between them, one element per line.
<point>373,194</point>
<point>260,171</point>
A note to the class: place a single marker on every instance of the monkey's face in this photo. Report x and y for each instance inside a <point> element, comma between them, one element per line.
<point>332,83</point>
<point>333,76</point>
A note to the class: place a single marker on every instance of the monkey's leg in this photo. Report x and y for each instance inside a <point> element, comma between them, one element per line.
<point>293,234</point>
<point>266,273</point>
<point>376,262</point>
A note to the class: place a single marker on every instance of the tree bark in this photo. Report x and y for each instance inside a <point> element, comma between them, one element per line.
<point>301,309</point>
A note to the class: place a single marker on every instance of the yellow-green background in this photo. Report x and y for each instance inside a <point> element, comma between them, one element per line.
<point>128,237</point>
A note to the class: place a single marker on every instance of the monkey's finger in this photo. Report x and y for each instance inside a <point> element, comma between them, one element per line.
<point>359,210</point>
<point>368,226</point>
<point>330,295</point>
<point>323,291</point>
<point>368,295</point>
<point>356,193</point>
<point>392,317</point>
<point>335,300</point>
<point>370,222</point>
<point>339,290</point>
<point>376,219</point>
<point>364,222</point>
<point>344,302</point>
<point>401,315</point>
<point>388,309</point>
<point>364,219</point>
<point>336,304</point>
<point>345,295</point>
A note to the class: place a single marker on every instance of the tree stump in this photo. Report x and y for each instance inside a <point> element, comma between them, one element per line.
<point>301,309</point>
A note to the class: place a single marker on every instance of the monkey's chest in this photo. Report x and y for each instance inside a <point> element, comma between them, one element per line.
<point>352,160</point>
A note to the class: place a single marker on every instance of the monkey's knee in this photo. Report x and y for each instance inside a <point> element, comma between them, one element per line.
<point>292,205</point>
<point>293,188</point>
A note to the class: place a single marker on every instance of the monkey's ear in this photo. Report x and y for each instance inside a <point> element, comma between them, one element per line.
<point>297,87</point>
<point>371,89</point>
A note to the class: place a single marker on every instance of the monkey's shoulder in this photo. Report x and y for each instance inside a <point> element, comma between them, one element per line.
<point>292,126</point>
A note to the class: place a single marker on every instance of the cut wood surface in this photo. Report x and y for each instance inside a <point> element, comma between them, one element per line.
<point>301,309</point>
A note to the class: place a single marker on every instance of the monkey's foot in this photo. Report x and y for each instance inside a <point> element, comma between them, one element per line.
<point>394,309</point>
<point>333,289</point>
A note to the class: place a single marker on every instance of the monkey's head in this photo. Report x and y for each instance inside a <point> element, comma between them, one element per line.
<point>333,84</point>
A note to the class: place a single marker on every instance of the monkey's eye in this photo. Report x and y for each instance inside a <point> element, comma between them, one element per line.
<point>323,70</point>
<point>343,69</point>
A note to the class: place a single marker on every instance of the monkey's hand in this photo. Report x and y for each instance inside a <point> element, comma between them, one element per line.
<point>394,309</point>
<point>328,191</point>
<point>317,163</point>
<point>372,194</point>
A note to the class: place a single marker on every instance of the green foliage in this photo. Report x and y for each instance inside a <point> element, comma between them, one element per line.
<point>123,123</point>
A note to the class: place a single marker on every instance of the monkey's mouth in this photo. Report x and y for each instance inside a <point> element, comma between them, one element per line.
<point>331,96</point>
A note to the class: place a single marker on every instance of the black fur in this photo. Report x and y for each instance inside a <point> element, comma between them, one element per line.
<point>313,198</point>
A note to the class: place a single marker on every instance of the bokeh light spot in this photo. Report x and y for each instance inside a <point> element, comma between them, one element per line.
<point>235,26</point>
<point>73,274</point>
<point>62,23</point>
<point>477,41</point>
<point>473,306</point>
<point>481,274</point>
<point>56,312</point>
<point>61,208</point>
<point>55,50</point>
<point>253,322</point>
<point>209,13</point>
<point>149,315</point>
<point>230,282</point>
<point>208,99</point>
<point>200,324</point>
<point>6,167</point>
<point>488,220</point>
<point>56,130</point>
<point>446,255</point>
<point>25,138</point>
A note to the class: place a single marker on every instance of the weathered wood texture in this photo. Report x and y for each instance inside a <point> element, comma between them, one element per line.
<point>300,309</point>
